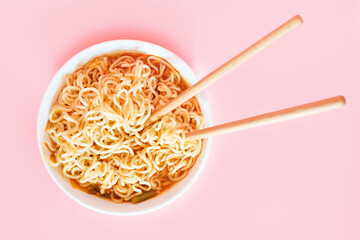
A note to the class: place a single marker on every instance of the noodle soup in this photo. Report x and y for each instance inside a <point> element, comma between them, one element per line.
<point>98,132</point>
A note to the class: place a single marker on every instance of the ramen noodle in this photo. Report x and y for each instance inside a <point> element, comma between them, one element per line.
<point>99,134</point>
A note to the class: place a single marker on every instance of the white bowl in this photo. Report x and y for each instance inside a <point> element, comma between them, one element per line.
<point>91,201</point>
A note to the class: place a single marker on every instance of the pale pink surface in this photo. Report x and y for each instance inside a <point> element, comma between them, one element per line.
<point>294,180</point>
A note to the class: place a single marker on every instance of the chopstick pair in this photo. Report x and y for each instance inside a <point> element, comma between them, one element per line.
<point>277,116</point>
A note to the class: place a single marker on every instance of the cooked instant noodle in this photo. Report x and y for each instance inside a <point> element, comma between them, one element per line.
<point>99,134</point>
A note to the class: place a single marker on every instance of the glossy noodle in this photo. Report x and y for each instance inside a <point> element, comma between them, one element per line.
<point>97,127</point>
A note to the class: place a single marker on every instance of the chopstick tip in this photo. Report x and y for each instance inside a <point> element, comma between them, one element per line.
<point>342,100</point>
<point>299,19</point>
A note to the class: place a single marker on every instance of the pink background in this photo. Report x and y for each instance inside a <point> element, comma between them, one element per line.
<point>294,180</point>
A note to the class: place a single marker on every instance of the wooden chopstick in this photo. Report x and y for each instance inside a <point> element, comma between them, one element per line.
<point>268,118</point>
<point>227,67</point>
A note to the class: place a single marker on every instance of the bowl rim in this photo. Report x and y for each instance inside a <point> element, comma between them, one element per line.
<point>77,59</point>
